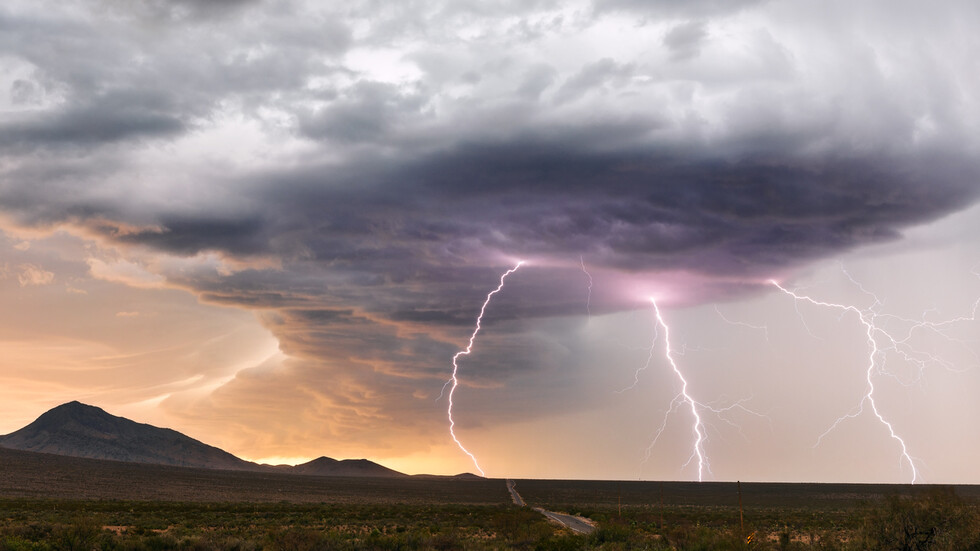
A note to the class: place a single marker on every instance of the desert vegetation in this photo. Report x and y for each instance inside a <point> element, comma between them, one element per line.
<point>935,519</point>
<point>72,525</point>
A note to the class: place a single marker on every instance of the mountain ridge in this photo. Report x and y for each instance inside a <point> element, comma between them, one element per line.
<point>81,430</point>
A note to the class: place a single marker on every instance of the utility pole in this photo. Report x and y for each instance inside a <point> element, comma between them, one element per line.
<point>661,505</point>
<point>741,517</point>
<point>620,503</point>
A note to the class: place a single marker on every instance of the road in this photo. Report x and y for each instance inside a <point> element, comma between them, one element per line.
<point>514,495</point>
<point>576,524</point>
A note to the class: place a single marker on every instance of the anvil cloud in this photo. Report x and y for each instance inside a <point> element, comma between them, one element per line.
<point>358,174</point>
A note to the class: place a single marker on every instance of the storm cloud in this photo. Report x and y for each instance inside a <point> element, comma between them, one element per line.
<point>361,176</point>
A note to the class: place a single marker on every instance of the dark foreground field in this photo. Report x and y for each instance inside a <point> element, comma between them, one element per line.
<point>52,502</point>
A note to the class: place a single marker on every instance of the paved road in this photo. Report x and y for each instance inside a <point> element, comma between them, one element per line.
<point>573,523</point>
<point>514,495</point>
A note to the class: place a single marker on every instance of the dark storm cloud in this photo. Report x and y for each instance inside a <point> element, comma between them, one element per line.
<point>409,197</point>
<point>362,177</point>
<point>110,117</point>
<point>90,82</point>
<point>642,210</point>
<point>378,232</point>
<point>187,236</point>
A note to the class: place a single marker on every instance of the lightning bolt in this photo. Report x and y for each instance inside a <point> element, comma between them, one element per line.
<point>697,427</point>
<point>763,328</point>
<point>588,301</point>
<point>645,366</point>
<point>867,319</point>
<point>454,381</point>
<point>684,399</point>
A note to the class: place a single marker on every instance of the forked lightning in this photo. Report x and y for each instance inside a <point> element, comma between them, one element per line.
<point>454,381</point>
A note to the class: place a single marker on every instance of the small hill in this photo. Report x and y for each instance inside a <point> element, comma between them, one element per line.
<point>468,476</point>
<point>80,430</point>
<point>325,466</point>
<point>460,476</point>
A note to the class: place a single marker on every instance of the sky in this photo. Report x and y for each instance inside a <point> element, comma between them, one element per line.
<point>271,224</point>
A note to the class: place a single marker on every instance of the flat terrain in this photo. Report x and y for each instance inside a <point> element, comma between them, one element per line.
<point>716,494</point>
<point>55,502</point>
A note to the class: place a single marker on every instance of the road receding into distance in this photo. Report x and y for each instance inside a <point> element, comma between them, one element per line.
<point>576,524</point>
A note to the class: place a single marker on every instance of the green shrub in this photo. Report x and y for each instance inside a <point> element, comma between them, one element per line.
<point>703,538</point>
<point>561,543</point>
<point>444,541</point>
<point>13,543</point>
<point>82,534</point>
<point>937,520</point>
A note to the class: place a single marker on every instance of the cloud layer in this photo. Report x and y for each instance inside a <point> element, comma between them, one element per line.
<point>360,176</point>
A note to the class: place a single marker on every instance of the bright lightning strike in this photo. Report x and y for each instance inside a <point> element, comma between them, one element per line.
<point>454,381</point>
<point>684,399</point>
<point>697,427</point>
<point>867,320</point>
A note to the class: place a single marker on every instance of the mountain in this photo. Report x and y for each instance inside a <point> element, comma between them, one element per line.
<point>79,430</point>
